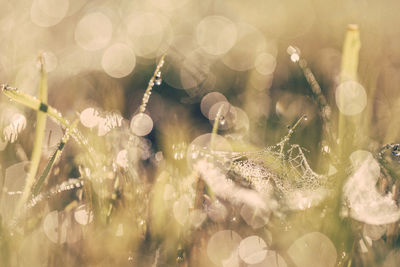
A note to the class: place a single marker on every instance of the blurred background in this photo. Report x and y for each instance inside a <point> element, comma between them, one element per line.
<point>100,56</point>
<point>103,53</point>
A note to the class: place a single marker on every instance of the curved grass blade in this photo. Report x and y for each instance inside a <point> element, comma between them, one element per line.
<point>39,136</point>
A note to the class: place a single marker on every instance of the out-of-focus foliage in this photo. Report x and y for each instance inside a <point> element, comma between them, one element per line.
<point>199,133</point>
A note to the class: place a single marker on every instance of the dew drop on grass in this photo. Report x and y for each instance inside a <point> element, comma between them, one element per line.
<point>210,100</point>
<point>313,249</point>
<point>252,249</point>
<point>222,107</point>
<point>295,57</point>
<point>141,124</point>
<point>82,215</point>
<point>90,117</point>
<point>223,246</point>
<point>227,115</point>
<point>158,79</point>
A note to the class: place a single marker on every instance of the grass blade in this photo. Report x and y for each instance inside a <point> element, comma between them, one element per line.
<point>39,136</point>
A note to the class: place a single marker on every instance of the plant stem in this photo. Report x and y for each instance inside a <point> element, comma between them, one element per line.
<point>349,68</point>
<point>147,93</point>
<point>54,157</point>
<point>39,135</point>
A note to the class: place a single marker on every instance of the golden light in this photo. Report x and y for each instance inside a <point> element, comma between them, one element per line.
<point>93,31</point>
<point>118,60</point>
<point>216,34</point>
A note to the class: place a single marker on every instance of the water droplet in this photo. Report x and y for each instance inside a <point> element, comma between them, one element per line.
<point>158,79</point>
<point>396,151</point>
<point>295,57</point>
<point>222,121</point>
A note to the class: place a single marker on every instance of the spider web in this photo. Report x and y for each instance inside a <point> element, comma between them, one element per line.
<point>285,170</point>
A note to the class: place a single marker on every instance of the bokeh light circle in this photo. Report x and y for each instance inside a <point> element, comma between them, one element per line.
<point>265,63</point>
<point>210,100</point>
<point>47,13</point>
<point>222,245</point>
<point>89,117</point>
<point>351,98</point>
<point>118,60</point>
<point>216,34</point>
<point>252,249</point>
<point>93,31</point>
<point>150,34</point>
<point>251,42</point>
<point>141,124</point>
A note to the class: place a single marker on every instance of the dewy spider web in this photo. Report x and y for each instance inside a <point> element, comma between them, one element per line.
<point>281,167</point>
<point>288,170</point>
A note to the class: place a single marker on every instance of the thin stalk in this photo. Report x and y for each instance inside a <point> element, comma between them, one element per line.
<point>39,136</point>
<point>316,90</point>
<point>215,128</point>
<point>54,157</point>
<point>147,93</point>
<point>349,69</point>
<point>287,137</point>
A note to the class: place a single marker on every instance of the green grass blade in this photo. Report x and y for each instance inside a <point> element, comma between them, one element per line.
<point>54,157</point>
<point>38,142</point>
<point>349,68</point>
